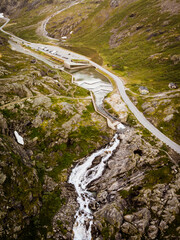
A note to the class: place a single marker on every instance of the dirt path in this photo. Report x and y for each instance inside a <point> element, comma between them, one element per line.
<point>28,98</point>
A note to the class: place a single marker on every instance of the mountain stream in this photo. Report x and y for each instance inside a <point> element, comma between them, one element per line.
<point>84,174</point>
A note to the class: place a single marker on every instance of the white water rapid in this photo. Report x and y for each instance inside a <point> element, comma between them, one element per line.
<point>81,176</point>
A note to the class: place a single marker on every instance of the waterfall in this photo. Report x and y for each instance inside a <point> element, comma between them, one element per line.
<point>82,175</point>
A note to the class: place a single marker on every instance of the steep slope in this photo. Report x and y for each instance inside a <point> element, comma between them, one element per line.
<point>58,124</point>
<point>27,16</point>
<point>139,41</point>
<point>14,7</point>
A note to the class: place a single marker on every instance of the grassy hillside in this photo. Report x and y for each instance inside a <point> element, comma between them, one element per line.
<point>27,16</point>
<point>138,40</point>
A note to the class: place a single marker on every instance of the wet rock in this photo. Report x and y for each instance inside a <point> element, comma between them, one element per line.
<point>93,205</point>
<point>96,161</point>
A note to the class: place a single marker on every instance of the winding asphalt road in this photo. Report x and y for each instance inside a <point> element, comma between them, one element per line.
<point>54,14</point>
<point>139,115</point>
<point>66,54</point>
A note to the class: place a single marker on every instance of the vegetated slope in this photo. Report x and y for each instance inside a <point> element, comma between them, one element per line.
<point>27,16</point>
<point>14,7</point>
<point>58,124</point>
<point>138,40</point>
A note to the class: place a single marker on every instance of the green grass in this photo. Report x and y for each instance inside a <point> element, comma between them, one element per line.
<point>109,109</point>
<point>87,51</point>
<point>81,92</point>
<point>107,231</point>
<point>51,203</point>
<point>8,113</point>
<point>132,55</point>
<point>60,225</point>
<point>158,176</point>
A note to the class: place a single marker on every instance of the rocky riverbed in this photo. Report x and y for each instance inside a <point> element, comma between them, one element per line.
<point>137,196</point>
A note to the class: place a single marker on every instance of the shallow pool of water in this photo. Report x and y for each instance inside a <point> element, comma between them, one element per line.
<point>93,81</point>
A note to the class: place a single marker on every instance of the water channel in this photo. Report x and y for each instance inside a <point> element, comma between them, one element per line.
<point>83,174</point>
<point>97,83</point>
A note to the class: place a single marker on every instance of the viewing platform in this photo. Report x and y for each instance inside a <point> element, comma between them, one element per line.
<point>76,64</point>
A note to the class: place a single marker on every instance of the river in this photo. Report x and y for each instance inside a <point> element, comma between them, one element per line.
<point>84,174</point>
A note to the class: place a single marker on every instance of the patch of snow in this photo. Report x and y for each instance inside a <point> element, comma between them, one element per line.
<point>64,37</point>
<point>19,138</point>
<point>71,32</point>
<point>1,15</point>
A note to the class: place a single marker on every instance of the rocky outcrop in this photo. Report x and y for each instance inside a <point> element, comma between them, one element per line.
<point>119,108</point>
<point>131,200</point>
<point>172,6</point>
<point>129,205</point>
<point>20,197</point>
<point>114,3</point>
<point>13,7</point>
